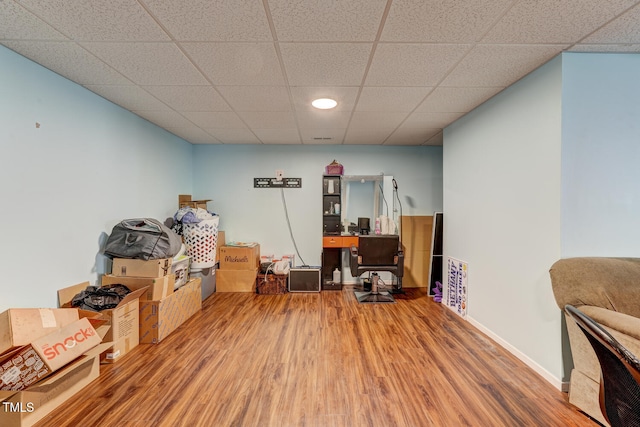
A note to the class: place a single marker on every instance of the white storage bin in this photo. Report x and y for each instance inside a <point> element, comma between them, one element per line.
<point>201,241</point>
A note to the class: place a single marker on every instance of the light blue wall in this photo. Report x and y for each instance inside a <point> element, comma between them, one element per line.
<point>65,184</point>
<point>225,174</point>
<point>502,214</point>
<point>601,155</point>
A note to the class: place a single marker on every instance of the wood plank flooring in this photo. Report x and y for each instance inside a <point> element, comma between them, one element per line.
<point>320,359</point>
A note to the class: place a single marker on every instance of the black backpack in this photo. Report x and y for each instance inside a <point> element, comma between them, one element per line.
<point>95,298</point>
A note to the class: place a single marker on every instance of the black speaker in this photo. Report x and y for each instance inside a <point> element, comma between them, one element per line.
<point>363,225</point>
<point>304,279</point>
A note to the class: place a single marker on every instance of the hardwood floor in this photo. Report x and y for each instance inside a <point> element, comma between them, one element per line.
<point>320,359</point>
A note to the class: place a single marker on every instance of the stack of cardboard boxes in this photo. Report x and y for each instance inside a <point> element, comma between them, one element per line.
<point>46,356</point>
<point>164,306</point>
<point>239,264</point>
<point>49,354</point>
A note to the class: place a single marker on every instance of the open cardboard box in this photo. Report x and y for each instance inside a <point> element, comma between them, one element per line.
<point>158,287</point>
<point>29,364</point>
<point>26,407</point>
<point>124,331</point>
<point>20,326</point>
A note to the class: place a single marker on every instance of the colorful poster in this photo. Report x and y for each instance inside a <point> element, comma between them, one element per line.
<point>455,296</point>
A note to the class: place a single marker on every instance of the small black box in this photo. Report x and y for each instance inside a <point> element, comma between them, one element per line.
<point>304,279</point>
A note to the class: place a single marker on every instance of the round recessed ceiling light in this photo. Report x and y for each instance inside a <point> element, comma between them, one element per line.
<point>324,103</point>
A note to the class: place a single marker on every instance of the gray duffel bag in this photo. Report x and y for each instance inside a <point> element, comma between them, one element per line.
<point>142,238</point>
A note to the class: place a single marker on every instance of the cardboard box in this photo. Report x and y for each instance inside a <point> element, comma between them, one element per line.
<point>141,268</point>
<point>239,257</point>
<point>159,318</point>
<point>158,287</point>
<point>26,407</point>
<point>220,242</point>
<point>20,326</point>
<point>29,364</point>
<point>124,333</point>
<point>236,280</point>
<point>184,200</point>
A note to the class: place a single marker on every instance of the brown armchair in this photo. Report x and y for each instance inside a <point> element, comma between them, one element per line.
<point>608,291</point>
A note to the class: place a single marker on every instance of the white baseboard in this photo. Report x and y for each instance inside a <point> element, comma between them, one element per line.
<point>560,385</point>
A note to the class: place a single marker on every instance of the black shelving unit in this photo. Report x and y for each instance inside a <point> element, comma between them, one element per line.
<point>331,256</point>
<point>331,196</point>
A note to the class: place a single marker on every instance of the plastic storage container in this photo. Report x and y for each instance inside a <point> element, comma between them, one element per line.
<point>336,276</point>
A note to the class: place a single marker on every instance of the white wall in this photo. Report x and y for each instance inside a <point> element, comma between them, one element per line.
<point>225,174</point>
<point>502,214</point>
<point>65,184</point>
<point>601,155</point>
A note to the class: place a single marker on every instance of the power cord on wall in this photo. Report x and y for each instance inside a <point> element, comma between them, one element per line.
<point>395,190</point>
<point>286,213</point>
<point>383,198</point>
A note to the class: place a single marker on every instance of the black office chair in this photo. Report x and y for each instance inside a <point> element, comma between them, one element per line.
<point>620,373</point>
<point>377,253</point>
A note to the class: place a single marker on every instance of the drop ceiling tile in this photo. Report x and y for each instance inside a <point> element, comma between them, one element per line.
<point>165,119</point>
<point>148,63</point>
<point>69,60</point>
<point>344,96</point>
<point>16,23</point>
<point>391,99</point>
<point>229,64</point>
<point>194,135</point>
<point>325,64</point>
<point>456,99</point>
<point>441,21</point>
<point>278,136</point>
<point>113,20</point>
<point>129,97</point>
<point>413,64</point>
<point>218,120</point>
<point>430,120</point>
<point>366,136</point>
<point>624,29</point>
<point>552,21</point>
<point>203,20</point>
<point>303,20</point>
<point>411,136</point>
<point>256,98</point>
<point>322,136</point>
<point>269,119</point>
<point>323,119</point>
<point>234,136</point>
<point>189,98</point>
<point>376,119</point>
<point>500,65</point>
